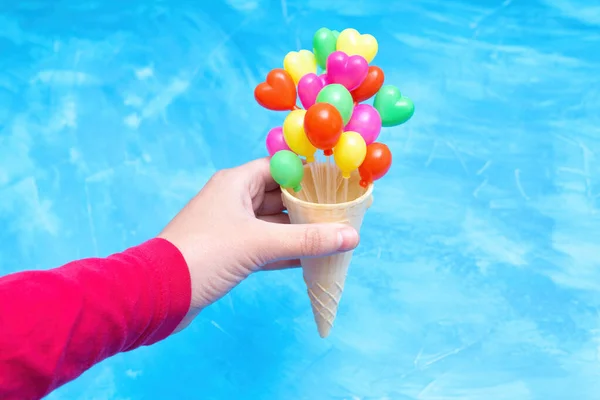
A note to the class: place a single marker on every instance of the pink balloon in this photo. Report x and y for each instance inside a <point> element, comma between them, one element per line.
<point>324,79</point>
<point>309,87</point>
<point>365,120</point>
<point>347,71</point>
<point>276,141</point>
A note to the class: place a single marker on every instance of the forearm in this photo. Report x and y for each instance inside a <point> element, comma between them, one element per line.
<point>56,324</point>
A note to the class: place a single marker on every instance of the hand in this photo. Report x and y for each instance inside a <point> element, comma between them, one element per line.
<point>236,226</point>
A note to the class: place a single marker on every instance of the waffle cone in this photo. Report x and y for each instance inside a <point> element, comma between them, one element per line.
<point>325,276</point>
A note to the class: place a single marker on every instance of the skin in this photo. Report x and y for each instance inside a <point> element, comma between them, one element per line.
<point>236,226</point>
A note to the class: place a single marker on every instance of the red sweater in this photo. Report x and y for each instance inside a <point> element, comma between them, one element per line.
<point>56,324</point>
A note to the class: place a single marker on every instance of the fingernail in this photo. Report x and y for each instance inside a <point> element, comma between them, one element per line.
<point>348,239</point>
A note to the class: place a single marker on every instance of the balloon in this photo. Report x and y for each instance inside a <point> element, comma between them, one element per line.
<point>295,137</point>
<point>339,97</point>
<point>287,170</point>
<point>323,126</point>
<point>351,42</point>
<point>347,71</point>
<point>376,164</point>
<point>323,45</point>
<point>308,88</point>
<point>394,108</point>
<point>276,141</point>
<point>324,79</point>
<point>278,93</point>
<point>369,87</point>
<point>300,63</point>
<point>350,152</point>
<point>366,121</point>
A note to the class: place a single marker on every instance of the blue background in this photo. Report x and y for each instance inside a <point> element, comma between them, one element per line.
<point>478,273</point>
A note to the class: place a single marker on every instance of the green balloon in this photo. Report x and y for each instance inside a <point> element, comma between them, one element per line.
<point>324,43</point>
<point>393,108</point>
<point>339,97</point>
<point>287,169</point>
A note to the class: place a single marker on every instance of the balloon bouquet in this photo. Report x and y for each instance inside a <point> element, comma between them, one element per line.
<point>335,120</point>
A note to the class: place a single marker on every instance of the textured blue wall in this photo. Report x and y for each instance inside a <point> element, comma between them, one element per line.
<point>478,273</point>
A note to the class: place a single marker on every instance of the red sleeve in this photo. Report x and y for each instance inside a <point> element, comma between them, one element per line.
<point>55,324</point>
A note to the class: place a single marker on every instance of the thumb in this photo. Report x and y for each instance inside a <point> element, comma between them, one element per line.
<point>290,241</point>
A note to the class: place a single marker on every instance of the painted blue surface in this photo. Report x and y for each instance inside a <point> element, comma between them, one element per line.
<point>478,273</point>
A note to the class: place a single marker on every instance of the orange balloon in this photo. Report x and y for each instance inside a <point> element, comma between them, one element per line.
<point>323,125</point>
<point>370,86</point>
<point>377,163</point>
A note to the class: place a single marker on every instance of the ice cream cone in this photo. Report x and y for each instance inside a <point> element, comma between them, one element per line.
<point>325,276</point>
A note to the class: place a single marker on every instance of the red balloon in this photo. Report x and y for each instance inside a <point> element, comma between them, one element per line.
<point>370,86</point>
<point>377,163</point>
<point>278,93</point>
<point>323,125</point>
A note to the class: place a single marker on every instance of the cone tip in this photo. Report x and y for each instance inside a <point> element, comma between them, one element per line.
<point>324,330</point>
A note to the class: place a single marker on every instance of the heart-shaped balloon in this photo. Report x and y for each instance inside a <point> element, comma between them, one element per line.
<point>308,88</point>
<point>324,43</point>
<point>351,42</point>
<point>278,92</point>
<point>324,79</point>
<point>393,108</point>
<point>348,71</point>
<point>300,63</point>
<point>370,86</point>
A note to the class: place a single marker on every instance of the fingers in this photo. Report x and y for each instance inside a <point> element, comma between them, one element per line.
<point>281,264</point>
<point>276,219</point>
<point>271,204</point>
<point>285,242</point>
<point>259,170</point>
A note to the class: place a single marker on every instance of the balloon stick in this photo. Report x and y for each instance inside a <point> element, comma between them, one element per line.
<point>307,194</point>
<point>328,180</point>
<point>345,190</point>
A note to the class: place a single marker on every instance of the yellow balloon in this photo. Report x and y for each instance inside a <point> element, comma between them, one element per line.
<point>349,152</point>
<point>300,63</point>
<point>295,137</point>
<point>351,42</point>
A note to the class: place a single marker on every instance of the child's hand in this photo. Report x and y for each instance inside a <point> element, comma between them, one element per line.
<point>235,226</point>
